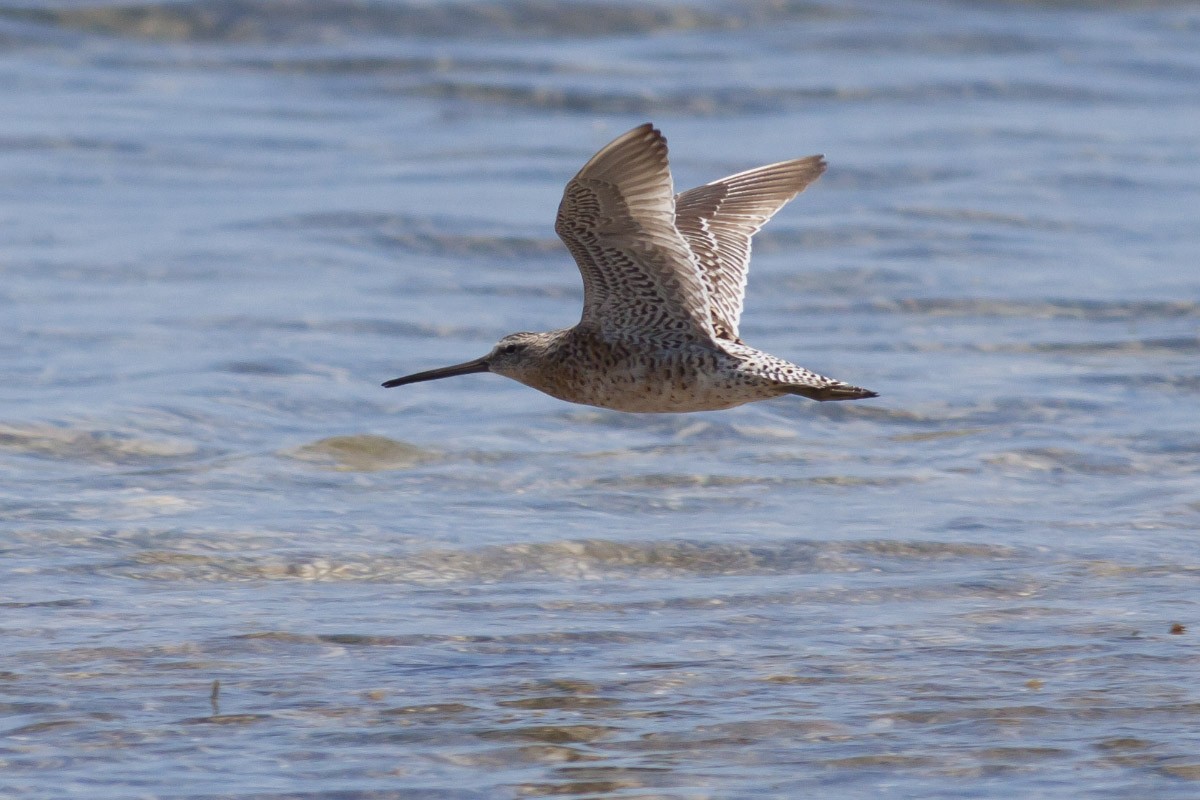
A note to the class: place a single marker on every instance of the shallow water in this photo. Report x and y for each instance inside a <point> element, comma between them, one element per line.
<point>222,225</point>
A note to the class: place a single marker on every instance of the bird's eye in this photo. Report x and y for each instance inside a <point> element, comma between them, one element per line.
<point>509,349</point>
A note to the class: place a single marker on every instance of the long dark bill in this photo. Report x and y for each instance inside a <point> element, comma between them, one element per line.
<point>478,365</point>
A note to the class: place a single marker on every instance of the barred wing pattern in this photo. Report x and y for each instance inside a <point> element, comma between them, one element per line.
<point>718,220</point>
<point>617,217</point>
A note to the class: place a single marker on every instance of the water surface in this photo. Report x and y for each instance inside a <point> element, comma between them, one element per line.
<point>222,225</point>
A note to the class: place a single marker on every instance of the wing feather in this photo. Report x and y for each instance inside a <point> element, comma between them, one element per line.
<point>719,219</point>
<point>617,217</point>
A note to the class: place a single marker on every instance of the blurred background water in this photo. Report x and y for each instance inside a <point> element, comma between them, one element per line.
<point>223,224</point>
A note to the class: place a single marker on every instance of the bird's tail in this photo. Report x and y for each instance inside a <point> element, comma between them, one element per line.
<point>834,390</point>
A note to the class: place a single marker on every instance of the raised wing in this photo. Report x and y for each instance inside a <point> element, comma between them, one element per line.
<point>617,217</point>
<point>719,218</point>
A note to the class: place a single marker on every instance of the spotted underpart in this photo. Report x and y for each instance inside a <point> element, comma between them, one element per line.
<point>583,367</point>
<point>663,278</point>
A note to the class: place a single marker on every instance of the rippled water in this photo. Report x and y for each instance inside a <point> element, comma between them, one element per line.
<point>223,224</point>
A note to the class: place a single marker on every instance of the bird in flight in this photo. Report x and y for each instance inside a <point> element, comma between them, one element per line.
<point>664,276</point>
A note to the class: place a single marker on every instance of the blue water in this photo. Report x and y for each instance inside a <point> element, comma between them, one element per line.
<point>223,224</point>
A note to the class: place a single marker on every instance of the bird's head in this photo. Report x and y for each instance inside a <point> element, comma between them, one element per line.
<point>515,356</point>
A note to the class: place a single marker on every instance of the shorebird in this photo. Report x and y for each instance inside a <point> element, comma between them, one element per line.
<point>664,276</point>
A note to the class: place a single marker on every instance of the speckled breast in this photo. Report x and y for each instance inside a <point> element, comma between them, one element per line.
<point>685,380</point>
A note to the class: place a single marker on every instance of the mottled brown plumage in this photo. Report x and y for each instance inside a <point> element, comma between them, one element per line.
<point>664,277</point>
